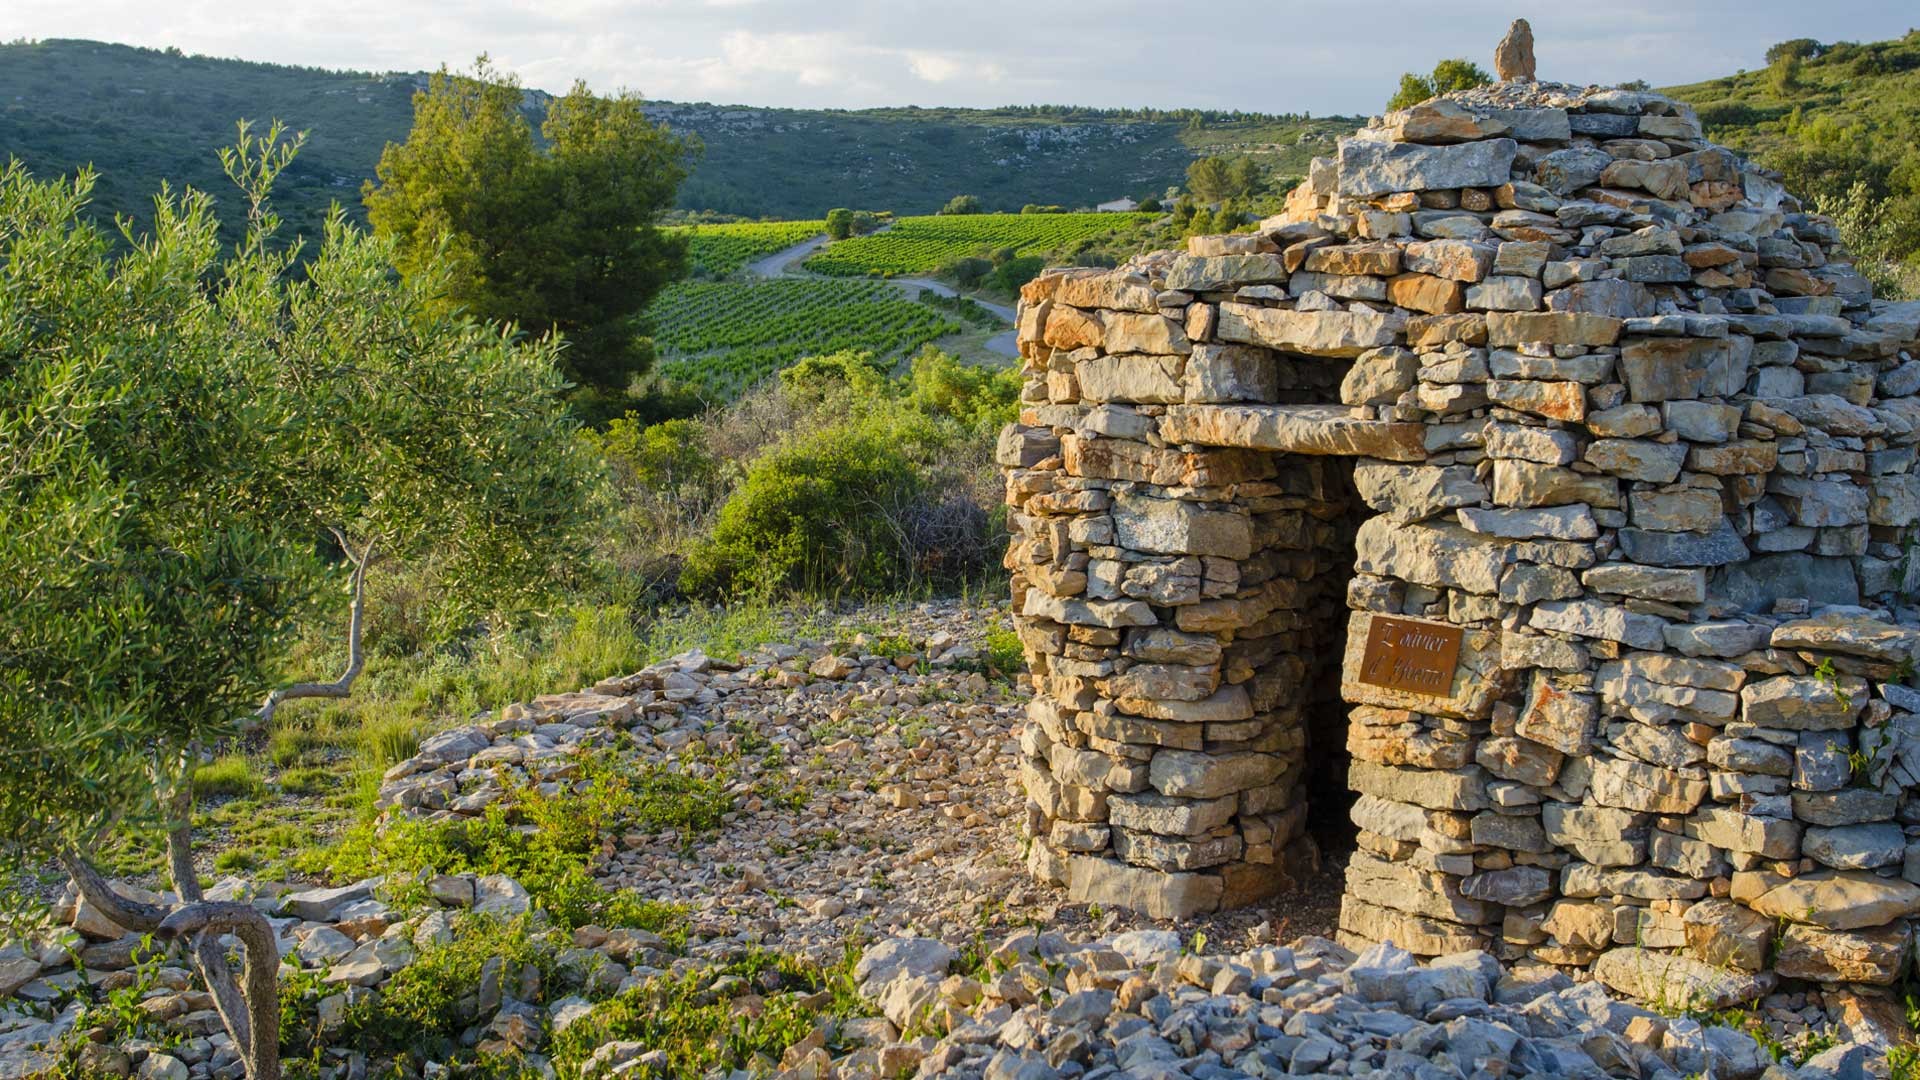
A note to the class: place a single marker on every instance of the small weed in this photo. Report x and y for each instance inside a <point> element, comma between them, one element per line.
<point>229,776</point>
<point>386,743</point>
<point>701,1029</point>
<point>1826,673</point>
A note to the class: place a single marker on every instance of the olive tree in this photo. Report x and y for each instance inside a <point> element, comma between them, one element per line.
<point>197,446</point>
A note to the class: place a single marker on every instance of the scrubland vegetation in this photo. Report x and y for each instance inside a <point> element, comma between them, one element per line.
<point>1841,122</point>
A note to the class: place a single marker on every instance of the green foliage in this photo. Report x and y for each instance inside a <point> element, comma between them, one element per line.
<point>147,115</point>
<point>866,501</point>
<point>424,1007</point>
<point>967,272</point>
<point>181,426</point>
<point>692,1015</point>
<point>671,455</point>
<point>1783,75</point>
<point>981,398</point>
<point>812,516</point>
<point>225,776</point>
<point>547,842</point>
<point>1841,124</point>
<point>1447,76</point>
<point>1218,179</point>
<point>720,251</point>
<point>839,223</point>
<point>556,234</point>
<point>1795,49</point>
<point>1036,208</point>
<point>923,244</point>
<point>962,204</point>
<point>724,337</point>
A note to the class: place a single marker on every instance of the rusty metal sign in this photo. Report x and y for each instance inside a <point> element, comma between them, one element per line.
<point>1406,654</point>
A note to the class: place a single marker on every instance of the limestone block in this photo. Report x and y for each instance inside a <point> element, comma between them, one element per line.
<point>1526,483</point>
<point>1874,957</point>
<point>1111,883</point>
<point>1514,887</point>
<point>1117,290</point>
<point>1379,377</point>
<point>1137,332</point>
<point>1553,400</point>
<point>1131,377</point>
<point>1724,827</point>
<point>1362,923</point>
<point>1155,813</point>
<point>1415,492</point>
<point>1178,527</point>
<point>1191,775</point>
<point>1404,888</point>
<point>1636,785</point>
<point>1725,934</point>
<point>1370,167</point>
<point>1671,585</point>
<point>1638,459</point>
<point>1665,369</point>
<point>1299,429</point>
<point>1435,789</point>
<point>1219,373</point>
<point>1674,978</point>
<point>1598,619</point>
<point>1455,260</point>
<point>1840,900</point>
<point>1312,333</point>
<point>1209,274</point>
<point>1561,719</point>
<point>1225,705</point>
<point>1855,847</point>
<point>1071,328</point>
<point>1804,702</point>
<point>1852,634</point>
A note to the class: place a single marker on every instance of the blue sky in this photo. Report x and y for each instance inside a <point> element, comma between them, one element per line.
<point>1265,55</point>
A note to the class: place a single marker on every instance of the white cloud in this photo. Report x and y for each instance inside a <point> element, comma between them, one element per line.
<point>1268,55</point>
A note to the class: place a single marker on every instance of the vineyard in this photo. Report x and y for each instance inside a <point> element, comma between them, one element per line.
<point>919,245</point>
<point>721,250</point>
<point>723,337</point>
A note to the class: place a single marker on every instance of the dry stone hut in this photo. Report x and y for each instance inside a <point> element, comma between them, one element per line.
<point>1534,500</point>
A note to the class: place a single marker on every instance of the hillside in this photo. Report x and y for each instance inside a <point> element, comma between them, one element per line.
<point>1770,110</point>
<point>144,115</point>
<point>1841,122</point>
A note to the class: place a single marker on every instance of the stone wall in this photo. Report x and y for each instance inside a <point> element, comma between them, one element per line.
<point>1625,422</point>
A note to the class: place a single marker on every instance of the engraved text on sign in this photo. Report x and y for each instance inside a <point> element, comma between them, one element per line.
<point>1418,657</point>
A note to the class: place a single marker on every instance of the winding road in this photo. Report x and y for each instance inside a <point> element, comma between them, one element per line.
<point>786,263</point>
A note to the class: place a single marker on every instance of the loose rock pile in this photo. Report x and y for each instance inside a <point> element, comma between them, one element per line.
<point>1633,436</point>
<point>1139,1005</point>
<point>352,940</point>
<point>869,790</point>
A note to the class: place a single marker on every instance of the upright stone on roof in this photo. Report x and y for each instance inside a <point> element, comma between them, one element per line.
<point>1513,57</point>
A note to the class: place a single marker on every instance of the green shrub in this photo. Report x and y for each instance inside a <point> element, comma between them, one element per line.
<point>962,204</point>
<point>839,223</point>
<point>984,399</point>
<point>1013,273</point>
<point>670,456</point>
<point>813,516</point>
<point>967,272</point>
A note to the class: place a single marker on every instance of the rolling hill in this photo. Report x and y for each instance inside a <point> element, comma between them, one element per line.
<point>143,115</point>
